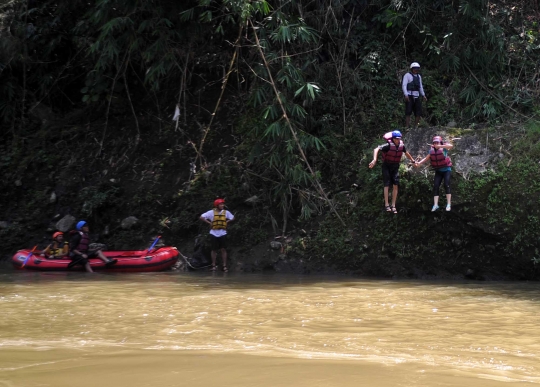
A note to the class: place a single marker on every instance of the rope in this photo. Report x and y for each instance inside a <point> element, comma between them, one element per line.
<point>189,264</point>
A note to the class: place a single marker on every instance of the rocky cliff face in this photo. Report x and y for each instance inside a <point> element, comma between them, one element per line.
<point>471,153</point>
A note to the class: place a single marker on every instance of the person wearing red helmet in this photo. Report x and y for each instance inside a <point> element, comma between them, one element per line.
<point>442,164</point>
<point>58,248</point>
<point>413,89</point>
<point>392,152</point>
<point>218,218</point>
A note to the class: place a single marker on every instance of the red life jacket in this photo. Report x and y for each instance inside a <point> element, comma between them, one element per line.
<point>438,159</point>
<point>393,156</point>
<point>83,244</point>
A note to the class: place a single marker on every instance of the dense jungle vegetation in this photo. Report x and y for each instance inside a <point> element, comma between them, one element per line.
<point>280,104</point>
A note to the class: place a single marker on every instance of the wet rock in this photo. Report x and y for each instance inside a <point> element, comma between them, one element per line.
<point>470,274</point>
<point>252,200</point>
<point>129,222</point>
<point>456,242</point>
<point>18,183</point>
<point>52,199</point>
<point>275,245</point>
<point>66,223</point>
<point>4,224</point>
<point>451,124</point>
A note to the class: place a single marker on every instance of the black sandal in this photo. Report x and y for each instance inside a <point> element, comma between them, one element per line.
<point>225,270</point>
<point>388,208</point>
<point>394,210</point>
<point>213,268</point>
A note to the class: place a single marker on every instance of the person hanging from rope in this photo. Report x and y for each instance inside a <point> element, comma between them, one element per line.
<point>441,162</point>
<point>392,151</point>
<point>218,218</point>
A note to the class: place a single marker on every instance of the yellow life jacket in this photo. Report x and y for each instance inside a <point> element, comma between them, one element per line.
<point>55,249</point>
<point>220,220</point>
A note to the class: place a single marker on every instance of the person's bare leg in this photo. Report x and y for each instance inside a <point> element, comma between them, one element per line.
<point>88,267</point>
<point>101,256</point>
<point>417,120</point>
<point>448,202</point>
<point>435,201</point>
<point>394,195</point>
<point>108,261</point>
<point>214,257</point>
<point>224,257</point>
<point>386,196</point>
<point>407,121</point>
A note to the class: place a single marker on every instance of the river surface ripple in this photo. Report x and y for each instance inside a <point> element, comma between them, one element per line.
<point>264,329</point>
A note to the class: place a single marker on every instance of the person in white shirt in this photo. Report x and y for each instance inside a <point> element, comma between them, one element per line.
<point>413,89</point>
<point>218,218</point>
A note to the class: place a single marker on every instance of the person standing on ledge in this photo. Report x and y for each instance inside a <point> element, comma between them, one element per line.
<point>392,152</point>
<point>218,218</point>
<point>413,89</point>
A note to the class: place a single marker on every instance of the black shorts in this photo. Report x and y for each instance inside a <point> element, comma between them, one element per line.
<point>414,105</point>
<point>390,174</point>
<point>218,242</point>
<point>82,261</point>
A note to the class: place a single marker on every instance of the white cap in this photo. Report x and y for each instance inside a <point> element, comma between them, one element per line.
<point>415,64</point>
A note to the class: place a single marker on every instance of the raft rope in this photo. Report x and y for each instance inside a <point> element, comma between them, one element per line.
<point>189,264</point>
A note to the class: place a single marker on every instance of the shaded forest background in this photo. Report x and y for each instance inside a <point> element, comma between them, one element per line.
<point>280,105</point>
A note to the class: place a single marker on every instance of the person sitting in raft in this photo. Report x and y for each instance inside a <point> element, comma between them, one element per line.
<point>58,248</point>
<point>438,157</point>
<point>392,152</point>
<point>80,252</point>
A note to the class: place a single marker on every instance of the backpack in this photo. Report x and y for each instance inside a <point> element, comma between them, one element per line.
<point>388,137</point>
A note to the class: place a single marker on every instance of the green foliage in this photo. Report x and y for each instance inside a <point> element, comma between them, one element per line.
<point>97,198</point>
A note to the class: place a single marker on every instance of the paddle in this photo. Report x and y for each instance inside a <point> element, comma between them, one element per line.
<point>28,256</point>
<point>153,244</point>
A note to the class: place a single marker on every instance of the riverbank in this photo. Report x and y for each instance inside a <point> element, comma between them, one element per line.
<point>490,234</point>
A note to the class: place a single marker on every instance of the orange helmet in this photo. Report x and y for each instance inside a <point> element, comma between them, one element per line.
<point>57,234</point>
<point>217,202</point>
<point>437,138</point>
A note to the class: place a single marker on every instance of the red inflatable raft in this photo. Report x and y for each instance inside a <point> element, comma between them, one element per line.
<point>128,261</point>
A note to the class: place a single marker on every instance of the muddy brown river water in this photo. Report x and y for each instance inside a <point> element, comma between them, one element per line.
<point>204,329</point>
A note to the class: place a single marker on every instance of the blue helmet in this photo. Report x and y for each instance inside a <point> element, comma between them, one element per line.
<point>80,225</point>
<point>396,134</point>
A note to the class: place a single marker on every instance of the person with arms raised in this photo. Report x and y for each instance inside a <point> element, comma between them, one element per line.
<point>442,164</point>
<point>392,153</point>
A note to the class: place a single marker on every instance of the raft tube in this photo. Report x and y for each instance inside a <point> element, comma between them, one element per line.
<point>160,259</point>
